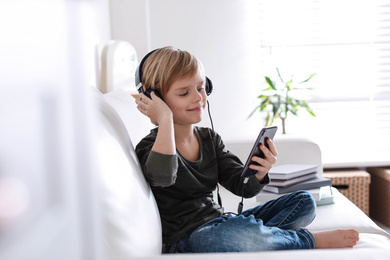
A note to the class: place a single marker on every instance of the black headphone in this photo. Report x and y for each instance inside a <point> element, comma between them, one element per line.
<point>138,80</point>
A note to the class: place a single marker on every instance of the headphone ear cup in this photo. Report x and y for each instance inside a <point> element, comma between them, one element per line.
<point>209,86</point>
<point>149,91</point>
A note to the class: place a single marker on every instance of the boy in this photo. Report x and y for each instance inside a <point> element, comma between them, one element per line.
<point>184,163</point>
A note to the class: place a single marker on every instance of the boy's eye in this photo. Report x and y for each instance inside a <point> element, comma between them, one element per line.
<point>184,94</point>
<point>201,89</point>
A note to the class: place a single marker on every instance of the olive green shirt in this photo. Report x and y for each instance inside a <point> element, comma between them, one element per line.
<point>184,189</point>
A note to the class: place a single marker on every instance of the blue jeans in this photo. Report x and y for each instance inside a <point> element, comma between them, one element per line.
<point>276,225</point>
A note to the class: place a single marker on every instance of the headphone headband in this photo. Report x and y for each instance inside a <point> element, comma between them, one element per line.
<point>138,72</point>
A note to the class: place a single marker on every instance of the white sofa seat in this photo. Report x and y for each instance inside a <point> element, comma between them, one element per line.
<point>130,217</point>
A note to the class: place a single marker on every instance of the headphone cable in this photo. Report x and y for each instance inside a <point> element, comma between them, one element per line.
<point>211,120</point>
<point>241,204</point>
<point>212,127</point>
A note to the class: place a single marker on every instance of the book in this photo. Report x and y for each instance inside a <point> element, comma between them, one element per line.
<point>326,197</point>
<point>286,183</point>
<point>322,196</point>
<point>289,171</point>
<point>306,185</point>
<point>266,196</point>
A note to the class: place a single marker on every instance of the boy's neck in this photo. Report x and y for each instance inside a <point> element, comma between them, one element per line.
<point>187,143</point>
<point>184,133</point>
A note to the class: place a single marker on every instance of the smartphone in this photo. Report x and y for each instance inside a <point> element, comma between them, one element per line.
<point>265,133</point>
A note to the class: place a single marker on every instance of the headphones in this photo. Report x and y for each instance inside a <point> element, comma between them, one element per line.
<point>138,80</point>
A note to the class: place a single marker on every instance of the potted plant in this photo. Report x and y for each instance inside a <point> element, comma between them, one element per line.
<point>278,102</point>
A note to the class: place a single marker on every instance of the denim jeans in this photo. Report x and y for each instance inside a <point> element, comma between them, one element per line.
<point>277,225</point>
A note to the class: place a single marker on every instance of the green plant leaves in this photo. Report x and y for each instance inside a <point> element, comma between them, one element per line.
<point>270,83</point>
<point>309,78</point>
<point>276,101</point>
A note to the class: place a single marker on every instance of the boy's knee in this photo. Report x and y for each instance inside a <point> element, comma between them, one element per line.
<point>304,195</point>
<point>308,199</point>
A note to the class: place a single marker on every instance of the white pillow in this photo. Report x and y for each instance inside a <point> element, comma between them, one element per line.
<point>130,215</point>
<point>137,124</point>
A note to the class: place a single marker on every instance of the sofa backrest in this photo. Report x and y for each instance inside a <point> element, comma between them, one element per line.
<point>137,124</point>
<point>131,222</point>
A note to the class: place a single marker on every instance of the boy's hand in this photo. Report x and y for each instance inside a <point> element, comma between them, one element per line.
<point>266,164</point>
<point>155,108</point>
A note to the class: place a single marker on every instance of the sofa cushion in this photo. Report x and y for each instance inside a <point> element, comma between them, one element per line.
<point>344,214</point>
<point>137,124</point>
<point>131,222</point>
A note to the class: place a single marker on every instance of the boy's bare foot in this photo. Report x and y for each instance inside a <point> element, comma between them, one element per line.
<point>337,238</point>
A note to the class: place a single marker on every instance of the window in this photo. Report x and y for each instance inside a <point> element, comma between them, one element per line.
<point>347,44</point>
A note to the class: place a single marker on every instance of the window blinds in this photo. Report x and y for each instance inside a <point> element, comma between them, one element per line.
<point>347,44</point>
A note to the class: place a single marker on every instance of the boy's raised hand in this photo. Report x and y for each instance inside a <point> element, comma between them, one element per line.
<point>154,108</point>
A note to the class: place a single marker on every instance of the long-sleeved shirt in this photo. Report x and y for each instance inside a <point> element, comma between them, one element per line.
<point>183,189</point>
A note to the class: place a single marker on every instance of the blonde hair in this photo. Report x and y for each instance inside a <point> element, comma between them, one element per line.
<point>166,65</point>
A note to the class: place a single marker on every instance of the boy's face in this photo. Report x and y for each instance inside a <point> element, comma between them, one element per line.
<point>187,99</point>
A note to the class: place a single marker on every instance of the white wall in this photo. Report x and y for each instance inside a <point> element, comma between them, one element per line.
<point>129,22</point>
<point>222,34</point>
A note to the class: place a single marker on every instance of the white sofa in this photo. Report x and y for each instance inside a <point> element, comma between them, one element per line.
<point>130,217</point>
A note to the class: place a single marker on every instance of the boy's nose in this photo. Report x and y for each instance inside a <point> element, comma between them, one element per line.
<point>198,96</point>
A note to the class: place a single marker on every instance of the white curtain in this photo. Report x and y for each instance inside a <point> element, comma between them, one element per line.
<point>347,44</point>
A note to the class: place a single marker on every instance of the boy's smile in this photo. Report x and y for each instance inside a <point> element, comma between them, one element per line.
<point>196,109</point>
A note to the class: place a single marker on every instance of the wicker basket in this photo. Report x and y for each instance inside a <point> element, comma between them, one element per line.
<point>353,184</point>
<point>380,194</point>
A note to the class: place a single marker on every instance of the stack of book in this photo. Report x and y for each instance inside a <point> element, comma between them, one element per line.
<point>288,178</point>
